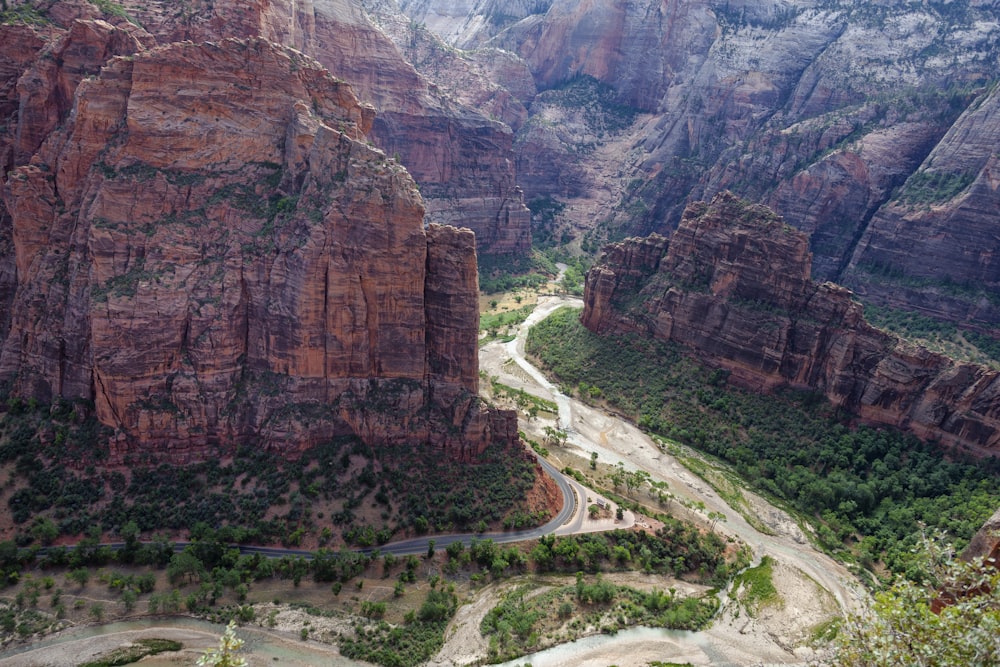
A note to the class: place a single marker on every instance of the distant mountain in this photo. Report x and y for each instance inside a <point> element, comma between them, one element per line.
<point>871,126</point>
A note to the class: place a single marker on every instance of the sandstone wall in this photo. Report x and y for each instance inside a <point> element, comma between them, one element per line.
<point>456,153</point>
<point>207,247</point>
<point>734,284</point>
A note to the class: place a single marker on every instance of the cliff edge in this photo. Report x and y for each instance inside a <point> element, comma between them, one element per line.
<point>734,284</point>
<point>208,248</point>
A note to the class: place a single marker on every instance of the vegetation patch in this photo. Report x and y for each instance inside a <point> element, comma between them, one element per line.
<point>867,490</point>
<point>936,334</point>
<point>412,643</point>
<point>499,325</point>
<point>340,491</point>
<point>531,404</point>
<point>503,273</point>
<point>933,187</point>
<point>22,13</point>
<point>521,624</point>
<point>135,652</point>
<point>754,587</point>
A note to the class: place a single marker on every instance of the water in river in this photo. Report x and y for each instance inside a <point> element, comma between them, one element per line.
<point>262,648</point>
<point>633,646</point>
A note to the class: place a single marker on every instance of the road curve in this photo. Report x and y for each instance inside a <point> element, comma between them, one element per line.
<point>617,440</point>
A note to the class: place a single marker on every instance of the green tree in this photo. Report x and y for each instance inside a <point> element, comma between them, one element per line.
<point>902,628</point>
<point>79,576</point>
<point>45,531</point>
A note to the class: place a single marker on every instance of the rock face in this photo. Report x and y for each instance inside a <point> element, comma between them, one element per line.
<point>934,247</point>
<point>867,125</point>
<point>208,250</point>
<point>462,160</point>
<point>733,284</point>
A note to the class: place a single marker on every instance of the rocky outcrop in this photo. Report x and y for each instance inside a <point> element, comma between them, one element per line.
<point>733,284</point>
<point>821,110</point>
<point>453,149</point>
<point>209,250</point>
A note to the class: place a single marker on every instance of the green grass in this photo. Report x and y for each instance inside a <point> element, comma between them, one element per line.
<point>754,587</point>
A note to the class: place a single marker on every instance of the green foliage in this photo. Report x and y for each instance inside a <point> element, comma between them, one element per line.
<point>854,483</point>
<point>544,212</point>
<point>65,500</point>
<point>135,652</point>
<point>503,273</point>
<point>515,625</point>
<point>493,322</point>
<point>932,187</point>
<point>407,645</point>
<point>936,334</point>
<point>901,627</point>
<point>754,587</point>
<point>603,110</point>
<point>521,398</point>
<point>678,549</point>
<point>23,13</point>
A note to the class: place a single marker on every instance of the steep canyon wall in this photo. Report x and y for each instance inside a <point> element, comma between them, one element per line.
<point>203,243</point>
<point>733,284</point>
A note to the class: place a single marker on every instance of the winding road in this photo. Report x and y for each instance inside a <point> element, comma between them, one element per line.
<point>616,440</point>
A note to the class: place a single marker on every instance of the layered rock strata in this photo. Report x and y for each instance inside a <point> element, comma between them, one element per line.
<point>733,283</point>
<point>862,124</point>
<point>209,250</point>
<point>461,158</point>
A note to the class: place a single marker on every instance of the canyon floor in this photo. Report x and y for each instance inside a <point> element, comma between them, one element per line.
<point>812,588</point>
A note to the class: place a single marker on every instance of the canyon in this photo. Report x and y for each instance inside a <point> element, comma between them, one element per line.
<point>868,126</point>
<point>734,285</point>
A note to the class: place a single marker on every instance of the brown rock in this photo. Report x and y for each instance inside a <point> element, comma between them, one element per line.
<point>462,159</point>
<point>211,253</point>
<point>46,90</point>
<point>733,283</point>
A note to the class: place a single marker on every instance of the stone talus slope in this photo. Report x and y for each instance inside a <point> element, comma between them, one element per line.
<point>209,251</point>
<point>733,284</point>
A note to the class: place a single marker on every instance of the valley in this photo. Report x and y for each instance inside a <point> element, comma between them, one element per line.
<point>444,332</point>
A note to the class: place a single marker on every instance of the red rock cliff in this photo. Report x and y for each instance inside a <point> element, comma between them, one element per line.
<point>209,250</point>
<point>733,283</point>
<point>461,158</point>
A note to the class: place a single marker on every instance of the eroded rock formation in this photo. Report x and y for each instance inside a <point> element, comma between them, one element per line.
<point>460,157</point>
<point>733,283</point>
<point>863,124</point>
<point>209,250</point>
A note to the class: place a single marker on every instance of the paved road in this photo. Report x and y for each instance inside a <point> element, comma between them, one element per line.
<point>616,440</point>
<point>570,519</point>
